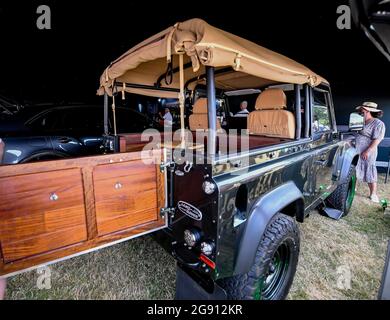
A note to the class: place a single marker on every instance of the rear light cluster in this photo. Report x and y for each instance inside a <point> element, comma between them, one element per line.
<point>192,238</point>
<point>207,248</point>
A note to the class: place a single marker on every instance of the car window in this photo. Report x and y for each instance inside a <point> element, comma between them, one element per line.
<point>44,122</point>
<point>129,121</point>
<point>321,112</point>
<point>85,120</point>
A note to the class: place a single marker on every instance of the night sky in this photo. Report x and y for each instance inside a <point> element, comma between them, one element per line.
<point>64,64</point>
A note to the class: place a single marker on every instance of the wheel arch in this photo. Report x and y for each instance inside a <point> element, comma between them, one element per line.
<point>286,199</point>
<point>350,157</point>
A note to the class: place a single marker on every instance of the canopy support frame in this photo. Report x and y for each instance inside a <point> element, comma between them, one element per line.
<point>105,115</point>
<point>182,100</point>
<point>298,115</point>
<point>307,111</point>
<point>212,111</point>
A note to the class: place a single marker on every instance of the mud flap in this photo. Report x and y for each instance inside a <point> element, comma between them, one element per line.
<point>332,213</point>
<point>188,288</point>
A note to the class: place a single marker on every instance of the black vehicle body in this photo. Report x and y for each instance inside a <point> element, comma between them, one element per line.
<point>293,178</point>
<point>46,132</point>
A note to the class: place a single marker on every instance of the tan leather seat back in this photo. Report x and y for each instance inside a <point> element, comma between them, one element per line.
<point>270,118</point>
<point>199,118</point>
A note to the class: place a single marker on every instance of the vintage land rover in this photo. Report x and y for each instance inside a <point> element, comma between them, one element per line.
<point>223,195</point>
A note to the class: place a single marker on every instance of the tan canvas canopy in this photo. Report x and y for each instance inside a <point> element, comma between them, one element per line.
<point>238,63</point>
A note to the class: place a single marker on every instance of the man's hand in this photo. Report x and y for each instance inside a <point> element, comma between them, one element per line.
<point>365,154</point>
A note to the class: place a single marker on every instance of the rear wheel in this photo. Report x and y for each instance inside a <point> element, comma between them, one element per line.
<point>273,271</point>
<point>342,197</point>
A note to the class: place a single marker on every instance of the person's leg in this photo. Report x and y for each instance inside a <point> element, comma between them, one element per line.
<point>373,194</point>
<point>373,188</point>
<point>372,179</point>
<point>370,187</point>
<point>3,284</point>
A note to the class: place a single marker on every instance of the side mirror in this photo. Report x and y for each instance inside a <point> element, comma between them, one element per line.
<point>356,122</point>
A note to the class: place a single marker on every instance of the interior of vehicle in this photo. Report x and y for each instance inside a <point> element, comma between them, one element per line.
<point>271,120</point>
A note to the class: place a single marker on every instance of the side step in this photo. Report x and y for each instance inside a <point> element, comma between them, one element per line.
<point>330,212</point>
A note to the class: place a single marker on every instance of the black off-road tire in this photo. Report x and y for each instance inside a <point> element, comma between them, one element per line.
<point>343,196</point>
<point>282,234</point>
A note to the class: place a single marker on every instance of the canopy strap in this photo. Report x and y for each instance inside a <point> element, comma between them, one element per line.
<point>169,42</point>
<point>123,91</point>
<point>181,99</point>
<point>106,74</point>
<point>237,62</point>
<point>168,78</point>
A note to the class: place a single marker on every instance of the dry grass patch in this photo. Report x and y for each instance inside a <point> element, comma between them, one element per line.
<point>330,249</point>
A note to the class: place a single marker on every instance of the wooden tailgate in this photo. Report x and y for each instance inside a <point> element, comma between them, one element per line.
<point>55,209</point>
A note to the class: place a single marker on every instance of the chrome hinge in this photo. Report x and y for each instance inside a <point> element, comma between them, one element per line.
<point>169,211</point>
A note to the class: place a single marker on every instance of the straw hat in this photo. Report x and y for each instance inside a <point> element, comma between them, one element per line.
<point>369,106</point>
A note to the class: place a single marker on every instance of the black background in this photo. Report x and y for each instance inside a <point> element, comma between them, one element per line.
<point>65,63</point>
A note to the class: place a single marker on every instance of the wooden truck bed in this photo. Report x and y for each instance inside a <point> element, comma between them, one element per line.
<point>55,209</point>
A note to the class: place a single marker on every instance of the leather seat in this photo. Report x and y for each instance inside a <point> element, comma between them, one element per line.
<point>270,117</point>
<point>199,118</point>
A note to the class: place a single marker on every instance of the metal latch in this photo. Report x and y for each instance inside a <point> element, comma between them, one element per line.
<point>167,164</point>
<point>169,211</point>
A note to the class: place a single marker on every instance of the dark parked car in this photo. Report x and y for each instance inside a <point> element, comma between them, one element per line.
<point>8,107</point>
<point>45,132</point>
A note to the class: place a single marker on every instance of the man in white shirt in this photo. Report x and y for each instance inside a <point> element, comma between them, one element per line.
<point>243,112</point>
<point>167,118</point>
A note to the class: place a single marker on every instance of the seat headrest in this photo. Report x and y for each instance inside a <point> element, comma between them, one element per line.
<point>271,99</point>
<point>200,106</point>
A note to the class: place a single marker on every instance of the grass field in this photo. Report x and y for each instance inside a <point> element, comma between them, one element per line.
<point>140,269</point>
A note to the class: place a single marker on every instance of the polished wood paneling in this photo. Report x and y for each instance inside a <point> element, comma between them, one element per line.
<point>31,223</point>
<point>91,210</point>
<point>125,195</point>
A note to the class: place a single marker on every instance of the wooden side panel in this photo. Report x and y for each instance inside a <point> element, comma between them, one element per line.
<point>56,209</point>
<point>41,212</point>
<point>125,195</point>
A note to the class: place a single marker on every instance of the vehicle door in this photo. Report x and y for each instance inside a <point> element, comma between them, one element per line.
<point>325,142</point>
